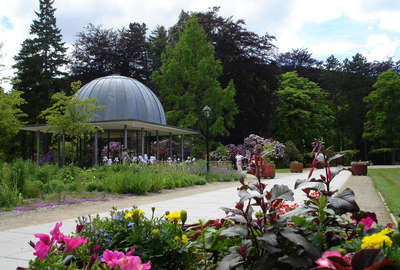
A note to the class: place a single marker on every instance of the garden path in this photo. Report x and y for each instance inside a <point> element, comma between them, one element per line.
<point>200,202</point>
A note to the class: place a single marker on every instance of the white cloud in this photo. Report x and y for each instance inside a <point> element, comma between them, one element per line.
<point>283,18</point>
<point>380,47</point>
<point>326,48</point>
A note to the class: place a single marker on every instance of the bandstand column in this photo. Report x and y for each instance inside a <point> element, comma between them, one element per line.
<point>182,153</point>
<point>96,149</point>
<point>158,146</point>
<point>170,144</point>
<point>126,137</point>
<point>142,139</point>
<point>63,149</point>
<point>37,147</point>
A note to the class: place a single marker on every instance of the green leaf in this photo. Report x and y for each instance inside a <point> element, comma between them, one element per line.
<point>344,202</point>
<point>269,238</point>
<point>299,240</point>
<point>296,261</point>
<point>244,195</point>
<point>231,210</point>
<point>299,183</point>
<point>236,230</point>
<point>281,192</point>
<point>230,261</point>
<point>299,221</point>
<point>238,218</point>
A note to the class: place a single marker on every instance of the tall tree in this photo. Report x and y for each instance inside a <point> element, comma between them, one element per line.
<point>10,120</point>
<point>302,112</point>
<point>99,52</point>
<point>70,115</point>
<point>39,62</point>
<point>331,80</point>
<point>248,59</point>
<point>157,44</point>
<point>297,58</point>
<point>356,84</point>
<point>94,53</point>
<point>382,125</point>
<point>188,82</point>
<point>132,52</point>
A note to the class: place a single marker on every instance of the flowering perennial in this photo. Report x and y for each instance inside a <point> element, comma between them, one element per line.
<point>134,213</point>
<point>43,246</point>
<point>124,262</point>
<point>174,216</point>
<point>378,240</point>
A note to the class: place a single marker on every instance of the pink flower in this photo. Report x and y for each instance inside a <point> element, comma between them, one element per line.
<point>56,234</point>
<point>73,243</point>
<point>368,221</point>
<point>41,250</point>
<point>111,257</point>
<point>332,259</point>
<point>389,225</point>
<point>133,263</point>
<point>45,238</point>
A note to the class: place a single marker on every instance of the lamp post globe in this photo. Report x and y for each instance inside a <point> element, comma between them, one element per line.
<point>207,111</point>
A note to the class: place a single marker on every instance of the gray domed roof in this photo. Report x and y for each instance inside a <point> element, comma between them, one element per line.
<point>124,99</point>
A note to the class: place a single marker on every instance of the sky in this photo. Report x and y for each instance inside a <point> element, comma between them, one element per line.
<point>323,27</point>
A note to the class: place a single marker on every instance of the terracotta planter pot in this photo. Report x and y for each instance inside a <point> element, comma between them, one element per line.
<point>268,171</point>
<point>221,164</point>
<point>359,168</point>
<point>296,167</point>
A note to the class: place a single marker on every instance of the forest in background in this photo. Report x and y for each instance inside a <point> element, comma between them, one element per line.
<point>331,95</point>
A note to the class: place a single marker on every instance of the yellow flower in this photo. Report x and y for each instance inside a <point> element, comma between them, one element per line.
<point>177,239</point>
<point>185,239</point>
<point>134,213</point>
<point>156,233</point>
<point>377,240</point>
<point>386,231</point>
<point>174,216</point>
<point>183,215</point>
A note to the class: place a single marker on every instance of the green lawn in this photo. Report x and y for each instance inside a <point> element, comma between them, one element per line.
<point>387,181</point>
<point>283,170</point>
<point>287,170</point>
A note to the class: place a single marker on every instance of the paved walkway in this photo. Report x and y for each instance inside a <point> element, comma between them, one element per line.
<point>14,250</point>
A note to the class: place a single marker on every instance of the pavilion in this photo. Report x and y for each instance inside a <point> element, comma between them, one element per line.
<point>133,114</point>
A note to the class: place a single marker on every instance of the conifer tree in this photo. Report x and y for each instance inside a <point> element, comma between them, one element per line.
<point>188,81</point>
<point>39,62</point>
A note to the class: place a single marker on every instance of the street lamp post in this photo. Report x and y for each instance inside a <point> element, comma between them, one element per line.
<point>206,111</point>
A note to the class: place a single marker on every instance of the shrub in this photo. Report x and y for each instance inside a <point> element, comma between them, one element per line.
<point>291,154</point>
<point>55,186</point>
<point>18,174</point>
<point>32,189</point>
<point>349,156</point>
<point>9,196</point>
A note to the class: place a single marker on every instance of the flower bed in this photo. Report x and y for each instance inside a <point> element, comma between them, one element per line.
<point>265,230</point>
<point>25,180</point>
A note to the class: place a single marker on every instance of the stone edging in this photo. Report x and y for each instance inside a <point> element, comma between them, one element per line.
<point>394,220</point>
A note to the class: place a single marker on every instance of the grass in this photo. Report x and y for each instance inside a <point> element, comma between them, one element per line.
<point>282,170</point>
<point>23,180</point>
<point>387,182</point>
<point>287,170</point>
